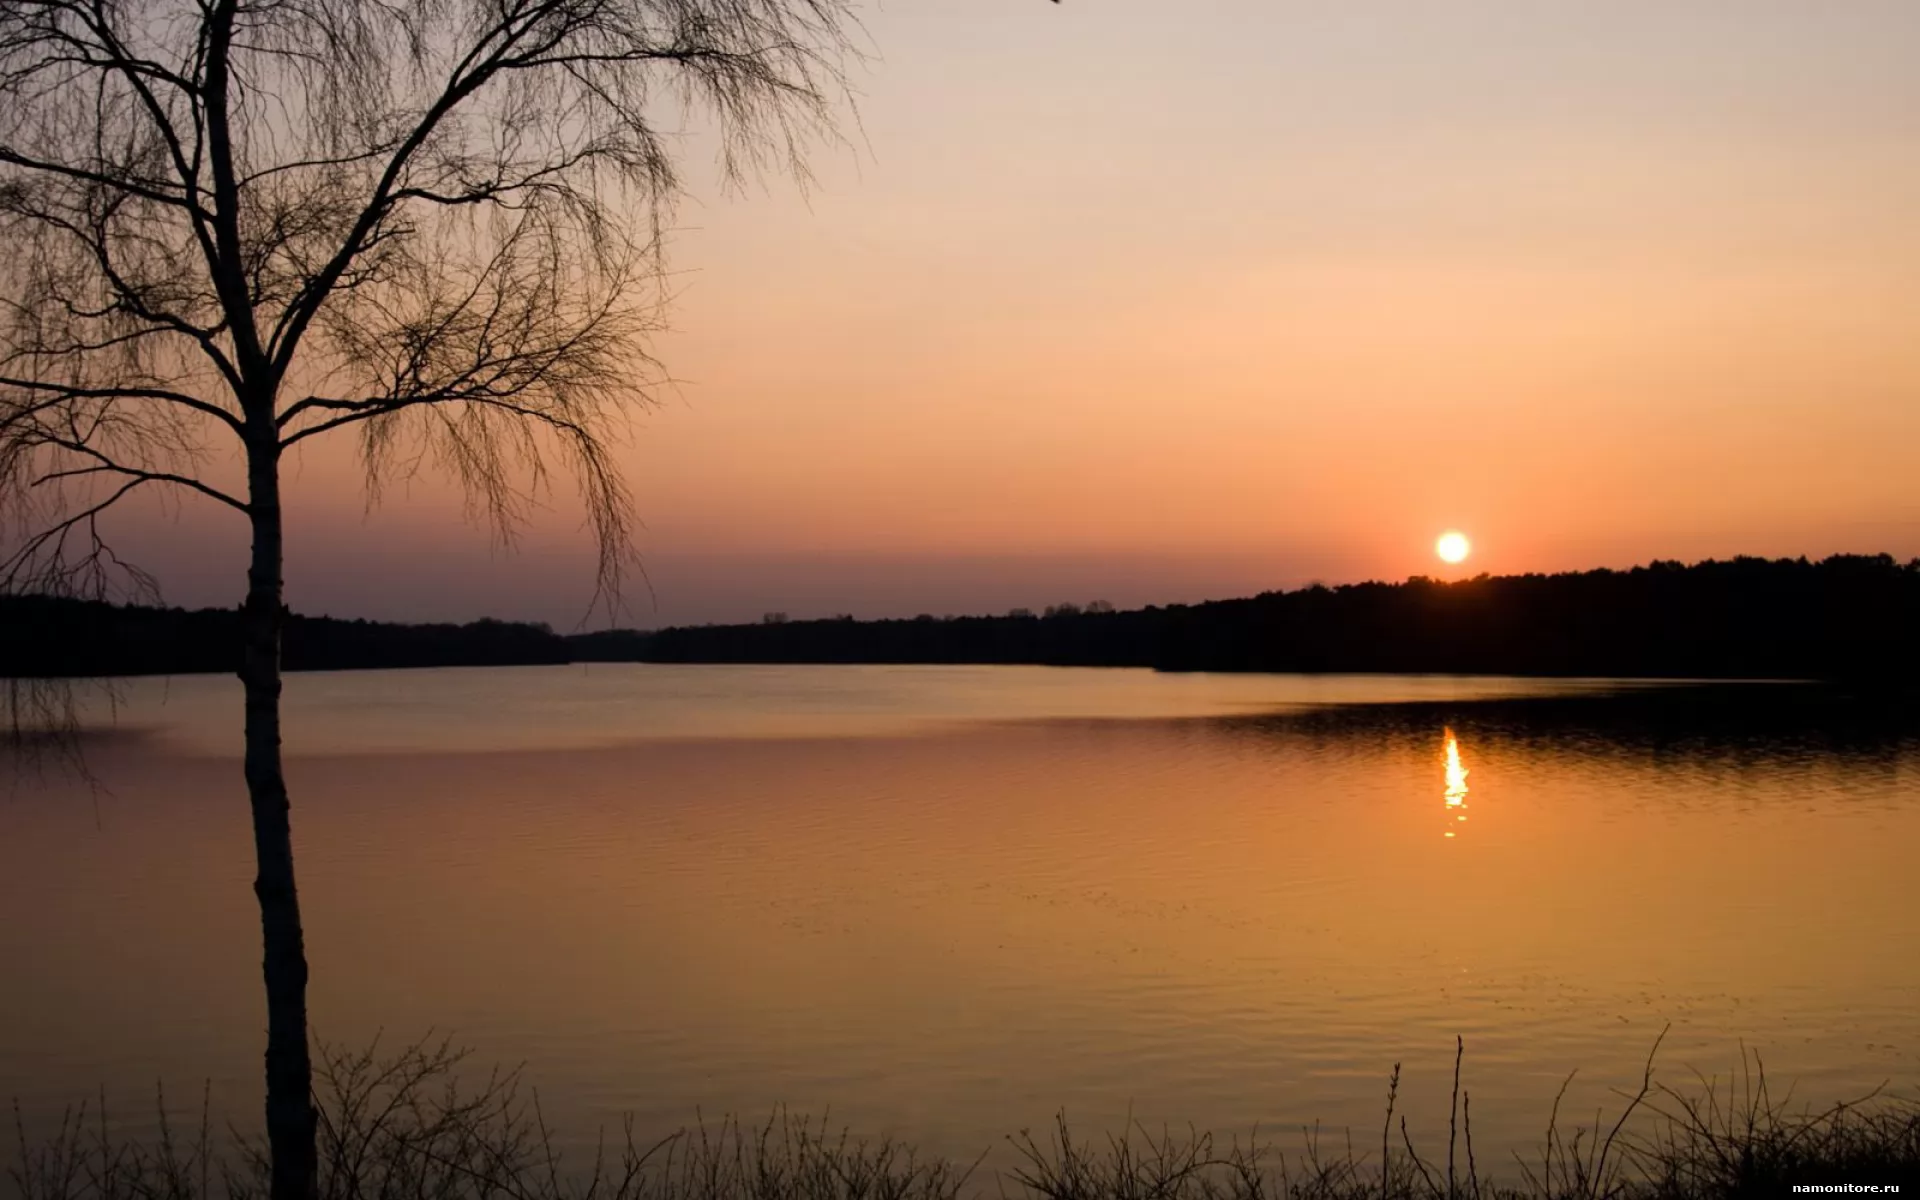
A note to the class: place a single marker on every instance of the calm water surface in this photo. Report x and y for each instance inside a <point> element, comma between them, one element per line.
<point>945,902</point>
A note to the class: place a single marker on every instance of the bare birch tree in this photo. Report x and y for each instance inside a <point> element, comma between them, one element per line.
<point>230,226</point>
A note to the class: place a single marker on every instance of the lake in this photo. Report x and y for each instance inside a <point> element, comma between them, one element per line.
<point>944,903</point>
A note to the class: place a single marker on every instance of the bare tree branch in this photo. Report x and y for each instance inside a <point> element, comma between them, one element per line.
<point>139,476</point>
<point>156,190</point>
<point>66,392</point>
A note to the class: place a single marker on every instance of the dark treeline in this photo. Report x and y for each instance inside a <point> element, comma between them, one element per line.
<point>42,636</point>
<point>1849,617</point>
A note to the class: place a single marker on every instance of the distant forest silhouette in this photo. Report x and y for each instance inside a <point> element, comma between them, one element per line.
<point>1847,617</point>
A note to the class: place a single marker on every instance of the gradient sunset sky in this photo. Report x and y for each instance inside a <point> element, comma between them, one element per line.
<point>1155,301</point>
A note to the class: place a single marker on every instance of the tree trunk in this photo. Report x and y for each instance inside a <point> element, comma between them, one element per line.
<point>291,1119</point>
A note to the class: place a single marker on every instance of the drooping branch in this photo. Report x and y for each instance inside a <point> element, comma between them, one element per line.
<point>45,562</point>
<point>487,370</point>
<point>138,476</point>
<point>155,191</point>
<point>53,394</point>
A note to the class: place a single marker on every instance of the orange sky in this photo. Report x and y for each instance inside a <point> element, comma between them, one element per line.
<point>1148,302</point>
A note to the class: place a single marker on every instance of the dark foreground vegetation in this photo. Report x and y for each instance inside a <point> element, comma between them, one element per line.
<point>402,1128</point>
<point>1847,617</point>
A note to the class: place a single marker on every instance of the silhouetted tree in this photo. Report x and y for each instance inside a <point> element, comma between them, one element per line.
<point>235,225</point>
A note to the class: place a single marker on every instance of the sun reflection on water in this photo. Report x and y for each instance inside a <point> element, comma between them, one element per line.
<point>1456,792</point>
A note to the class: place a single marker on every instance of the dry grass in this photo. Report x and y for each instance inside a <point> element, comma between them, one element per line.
<point>404,1126</point>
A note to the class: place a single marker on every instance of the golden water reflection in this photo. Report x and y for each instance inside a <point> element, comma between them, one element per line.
<point>1456,792</point>
<point>954,934</point>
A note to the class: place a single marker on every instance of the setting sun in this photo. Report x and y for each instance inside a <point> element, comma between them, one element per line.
<point>1453,546</point>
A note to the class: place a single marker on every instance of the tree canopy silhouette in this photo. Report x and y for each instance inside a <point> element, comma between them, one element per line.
<point>236,225</point>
